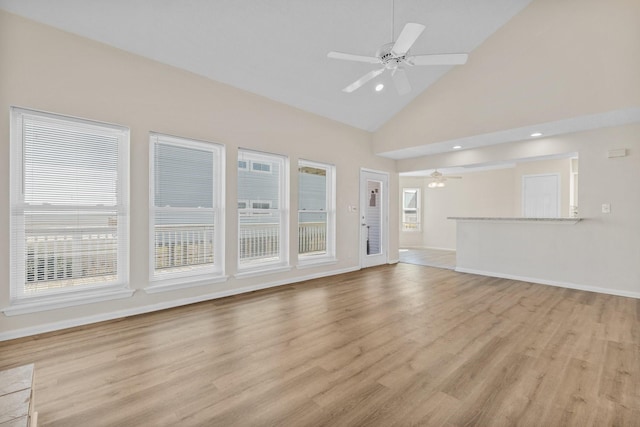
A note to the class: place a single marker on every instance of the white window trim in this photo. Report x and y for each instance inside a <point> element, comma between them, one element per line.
<point>194,277</point>
<point>71,300</point>
<point>330,256</point>
<point>83,294</point>
<point>281,264</point>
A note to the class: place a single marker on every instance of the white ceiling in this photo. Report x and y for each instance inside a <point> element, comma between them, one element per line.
<point>278,48</point>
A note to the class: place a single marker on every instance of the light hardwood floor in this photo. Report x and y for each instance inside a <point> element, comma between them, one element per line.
<point>392,345</point>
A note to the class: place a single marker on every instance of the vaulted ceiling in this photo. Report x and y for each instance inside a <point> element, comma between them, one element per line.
<point>278,48</point>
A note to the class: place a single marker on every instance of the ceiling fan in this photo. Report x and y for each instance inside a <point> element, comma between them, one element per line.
<point>395,56</point>
<point>438,179</point>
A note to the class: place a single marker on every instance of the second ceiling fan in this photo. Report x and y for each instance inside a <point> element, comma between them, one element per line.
<point>437,179</point>
<point>394,56</point>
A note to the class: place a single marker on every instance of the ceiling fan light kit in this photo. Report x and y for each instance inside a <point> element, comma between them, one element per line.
<point>395,57</point>
<point>438,179</point>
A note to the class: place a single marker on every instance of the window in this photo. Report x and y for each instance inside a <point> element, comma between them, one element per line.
<point>263,225</point>
<point>316,211</point>
<point>260,204</point>
<point>261,167</point>
<point>187,225</point>
<point>411,209</point>
<point>69,205</point>
<point>243,164</point>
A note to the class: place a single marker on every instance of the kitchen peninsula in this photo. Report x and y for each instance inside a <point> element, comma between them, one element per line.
<point>539,250</point>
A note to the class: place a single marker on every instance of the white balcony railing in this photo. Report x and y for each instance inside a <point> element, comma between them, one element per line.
<point>62,257</point>
<point>182,245</point>
<point>70,256</point>
<point>312,238</point>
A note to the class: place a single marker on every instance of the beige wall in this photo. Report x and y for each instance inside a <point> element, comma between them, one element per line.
<point>554,60</point>
<point>46,69</point>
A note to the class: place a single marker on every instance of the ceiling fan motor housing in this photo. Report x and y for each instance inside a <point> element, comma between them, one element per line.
<point>388,58</point>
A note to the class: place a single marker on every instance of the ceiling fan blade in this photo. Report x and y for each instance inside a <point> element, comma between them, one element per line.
<point>350,57</point>
<point>362,80</point>
<point>400,81</point>
<point>442,59</point>
<point>407,38</point>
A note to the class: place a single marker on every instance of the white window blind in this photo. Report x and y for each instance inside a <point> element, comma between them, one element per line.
<point>263,223</point>
<point>187,225</point>
<point>316,210</point>
<point>69,197</point>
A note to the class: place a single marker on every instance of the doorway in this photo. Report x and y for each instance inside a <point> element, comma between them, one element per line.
<point>541,195</point>
<point>374,217</point>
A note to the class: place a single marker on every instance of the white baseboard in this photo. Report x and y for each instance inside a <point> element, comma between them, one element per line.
<point>393,261</point>
<point>428,247</point>
<point>568,285</point>
<point>440,249</point>
<point>70,323</point>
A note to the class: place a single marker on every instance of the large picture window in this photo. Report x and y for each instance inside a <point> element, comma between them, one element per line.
<point>316,211</point>
<point>187,225</point>
<point>69,205</point>
<point>263,222</point>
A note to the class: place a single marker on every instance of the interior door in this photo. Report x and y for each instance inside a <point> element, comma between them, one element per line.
<point>541,196</point>
<point>374,218</point>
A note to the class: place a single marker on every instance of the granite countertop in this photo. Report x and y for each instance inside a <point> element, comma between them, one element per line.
<point>519,219</point>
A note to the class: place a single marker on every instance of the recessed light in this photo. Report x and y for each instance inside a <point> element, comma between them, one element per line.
<point>379,87</point>
<point>536,134</point>
<point>457,147</point>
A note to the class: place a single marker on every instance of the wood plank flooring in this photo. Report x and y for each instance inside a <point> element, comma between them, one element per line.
<point>387,346</point>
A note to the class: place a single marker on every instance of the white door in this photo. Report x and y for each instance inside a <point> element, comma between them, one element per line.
<point>374,213</point>
<point>541,196</point>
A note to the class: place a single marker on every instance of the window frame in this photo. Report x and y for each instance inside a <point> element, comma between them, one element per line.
<point>417,210</point>
<point>215,270</point>
<point>247,269</point>
<point>330,203</point>
<point>74,294</point>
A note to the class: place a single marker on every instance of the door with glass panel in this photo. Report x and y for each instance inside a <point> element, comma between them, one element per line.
<point>374,213</point>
